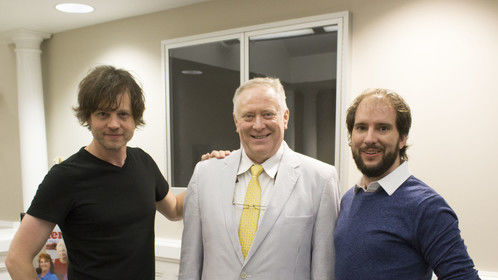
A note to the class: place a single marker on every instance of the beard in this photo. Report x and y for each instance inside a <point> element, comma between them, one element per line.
<point>378,170</point>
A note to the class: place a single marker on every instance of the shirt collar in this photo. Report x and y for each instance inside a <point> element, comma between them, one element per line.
<point>391,182</point>
<point>270,165</point>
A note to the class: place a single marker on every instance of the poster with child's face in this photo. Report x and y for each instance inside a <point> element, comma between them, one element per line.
<point>51,262</point>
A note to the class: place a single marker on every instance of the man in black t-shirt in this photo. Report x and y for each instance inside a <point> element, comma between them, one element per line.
<point>104,197</point>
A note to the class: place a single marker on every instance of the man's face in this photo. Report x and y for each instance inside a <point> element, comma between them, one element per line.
<point>375,140</point>
<point>260,122</point>
<point>113,129</point>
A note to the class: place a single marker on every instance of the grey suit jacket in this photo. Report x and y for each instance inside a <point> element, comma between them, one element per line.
<point>294,239</point>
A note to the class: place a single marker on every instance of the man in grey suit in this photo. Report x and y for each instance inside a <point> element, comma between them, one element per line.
<point>265,211</point>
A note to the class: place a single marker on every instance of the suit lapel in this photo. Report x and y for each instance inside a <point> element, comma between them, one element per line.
<point>284,185</point>
<point>228,187</point>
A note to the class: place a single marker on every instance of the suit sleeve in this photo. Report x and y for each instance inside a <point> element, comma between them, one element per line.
<point>323,254</point>
<point>191,259</point>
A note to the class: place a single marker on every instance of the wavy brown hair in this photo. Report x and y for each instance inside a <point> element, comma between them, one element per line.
<point>101,89</point>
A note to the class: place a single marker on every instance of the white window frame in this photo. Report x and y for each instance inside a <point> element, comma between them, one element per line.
<point>341,19</point>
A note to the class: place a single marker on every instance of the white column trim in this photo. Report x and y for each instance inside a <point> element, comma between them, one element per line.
<point>31,110</point>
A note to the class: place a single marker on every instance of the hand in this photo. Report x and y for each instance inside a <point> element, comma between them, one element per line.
<point>216,154</point>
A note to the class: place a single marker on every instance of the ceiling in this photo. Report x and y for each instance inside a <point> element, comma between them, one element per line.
<point>41,15</point>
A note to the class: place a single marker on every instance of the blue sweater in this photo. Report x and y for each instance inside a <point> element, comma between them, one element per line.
<point>403,236</point>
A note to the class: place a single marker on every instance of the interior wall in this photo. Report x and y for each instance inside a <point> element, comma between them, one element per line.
<point>10,165</point>
<point>439,54</point>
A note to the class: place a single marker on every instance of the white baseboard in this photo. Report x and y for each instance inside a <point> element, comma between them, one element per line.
<point>484,275</point>
<point>167,258</point>
<point>8,224</point>
<point>7,231</point>
<point>6,235</point>
<point>168,249</point>
<point>487,275</point>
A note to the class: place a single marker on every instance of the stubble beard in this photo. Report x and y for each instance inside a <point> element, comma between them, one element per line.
<point>112,146</point>
<point>378,170</point>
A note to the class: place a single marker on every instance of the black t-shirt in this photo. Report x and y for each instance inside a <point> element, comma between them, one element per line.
<point>106,213</point>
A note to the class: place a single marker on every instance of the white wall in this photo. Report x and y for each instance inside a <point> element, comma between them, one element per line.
<point>442,56</point>
<point>10,165</point>
<point>439,54</point>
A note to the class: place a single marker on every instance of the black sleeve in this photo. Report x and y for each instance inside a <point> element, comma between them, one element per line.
<point>52,201</point>
<point>161,185</point>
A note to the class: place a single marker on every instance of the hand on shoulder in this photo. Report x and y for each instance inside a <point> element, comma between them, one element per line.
<point>219,154</point>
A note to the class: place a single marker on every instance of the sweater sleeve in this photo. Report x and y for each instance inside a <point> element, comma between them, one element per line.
<point>440,242</point>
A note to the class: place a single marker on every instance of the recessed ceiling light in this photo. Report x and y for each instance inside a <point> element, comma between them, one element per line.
<point>192,72</point>
<point>74,8</point>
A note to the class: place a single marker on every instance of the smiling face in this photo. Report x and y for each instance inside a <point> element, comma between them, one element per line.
<point>375,140</point>
<point>112,129</point>
<point>44,264</point>
<point>260,122</point>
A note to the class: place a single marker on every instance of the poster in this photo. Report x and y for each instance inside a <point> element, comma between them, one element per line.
<point>51,262</point>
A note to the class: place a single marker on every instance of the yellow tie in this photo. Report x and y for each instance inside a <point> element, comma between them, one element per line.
<point>250,213</point>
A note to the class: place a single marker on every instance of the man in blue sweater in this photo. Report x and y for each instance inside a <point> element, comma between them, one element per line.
<point>391,225</point>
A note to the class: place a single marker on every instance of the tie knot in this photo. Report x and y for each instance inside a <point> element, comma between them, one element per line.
<point>256,170</point>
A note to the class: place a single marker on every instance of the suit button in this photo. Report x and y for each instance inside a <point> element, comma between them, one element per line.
<point>243,275</point>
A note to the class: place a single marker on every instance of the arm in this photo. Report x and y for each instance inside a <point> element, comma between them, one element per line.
<point>191,259</point>
<point>28,241</point>
<point>440,242</point>
<point>171,206</point>
<point>323,255</point>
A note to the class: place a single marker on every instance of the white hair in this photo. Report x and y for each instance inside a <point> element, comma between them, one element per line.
<point>273,83</point>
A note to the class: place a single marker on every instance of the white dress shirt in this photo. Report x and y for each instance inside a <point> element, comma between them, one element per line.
<point>390,183</point>
<point>266,181</point>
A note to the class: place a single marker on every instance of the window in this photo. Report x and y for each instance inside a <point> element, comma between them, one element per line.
<point>202,73</point>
